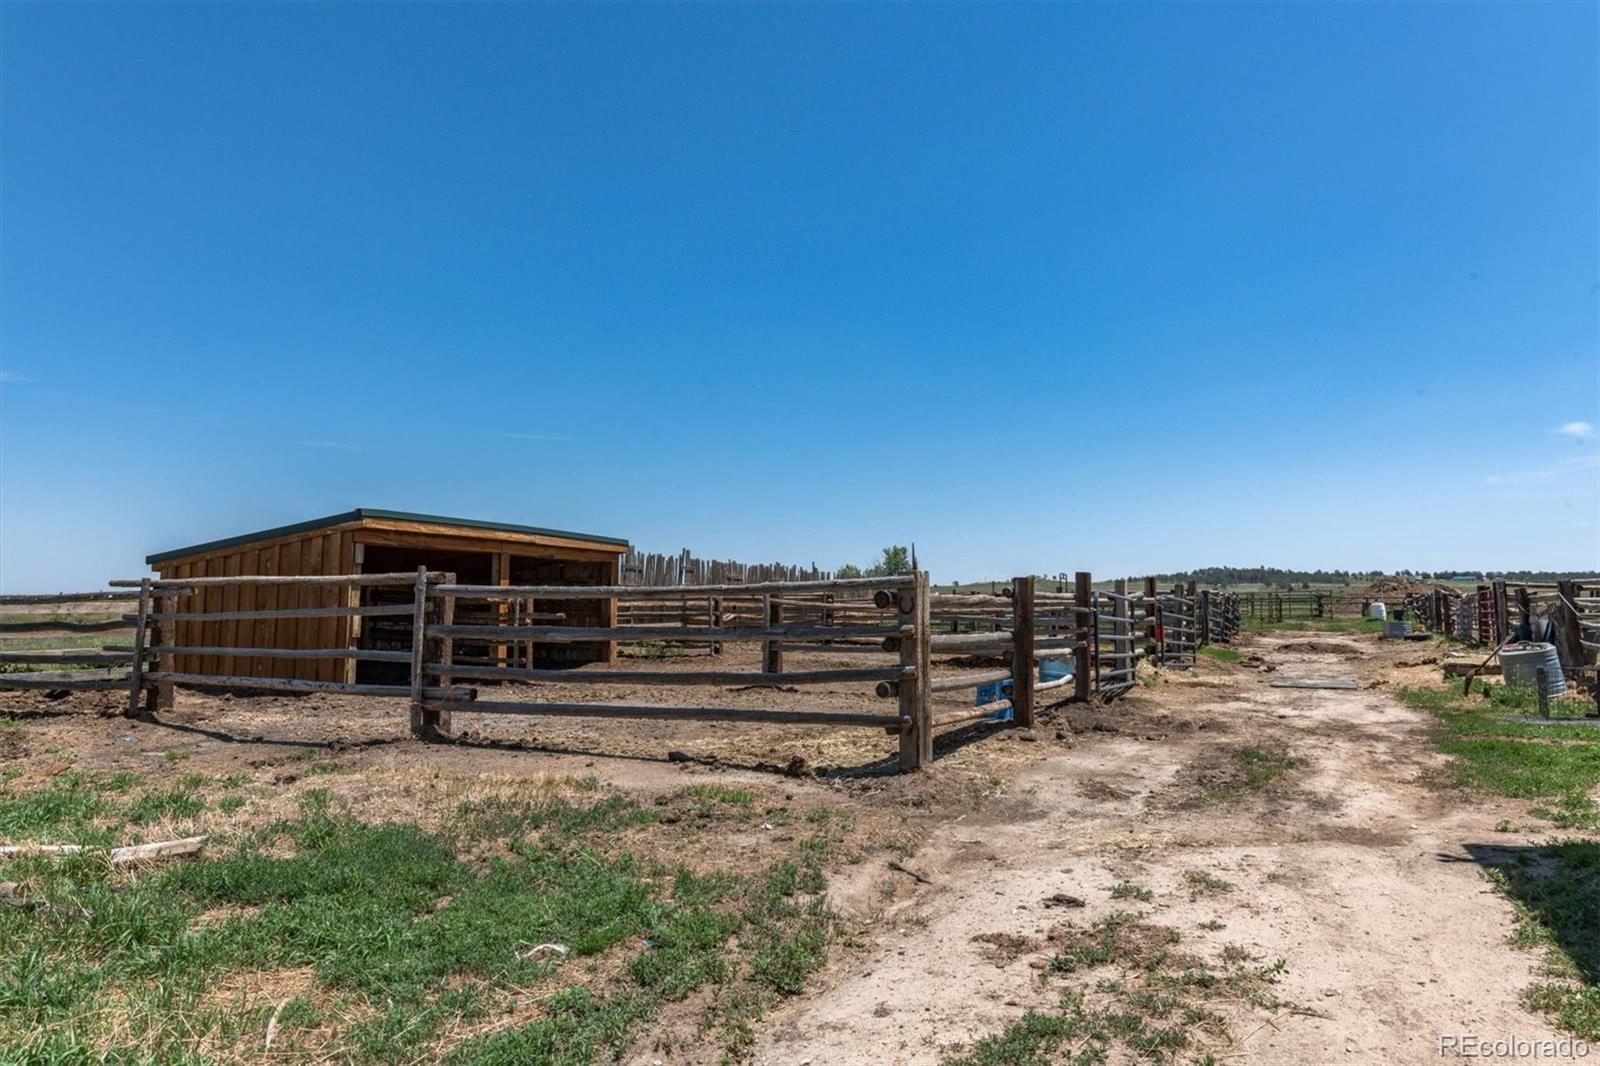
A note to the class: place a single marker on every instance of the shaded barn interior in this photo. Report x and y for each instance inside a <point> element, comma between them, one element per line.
<point>368,541</point>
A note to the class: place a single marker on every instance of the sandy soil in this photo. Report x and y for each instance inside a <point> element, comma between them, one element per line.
<point>1355,871</point>
<point>1354,867</point>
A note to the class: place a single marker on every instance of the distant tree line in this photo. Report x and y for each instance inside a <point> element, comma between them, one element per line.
<point>1276,577</point>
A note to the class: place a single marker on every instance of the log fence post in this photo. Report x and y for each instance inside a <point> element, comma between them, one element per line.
<point>136,673</point>
<point>772,650</point>
<point>1152,621</point>
<point>419,641</point>
<point>1087,629</point>
<point>439,721</point>
<point>1023,671</point>
<point>916,736</point>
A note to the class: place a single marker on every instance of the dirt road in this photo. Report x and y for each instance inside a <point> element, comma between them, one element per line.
<point>1288,823</point>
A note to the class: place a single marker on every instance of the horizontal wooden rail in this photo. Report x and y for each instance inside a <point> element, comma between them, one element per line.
<point>672,634</point>
<point>391,609</point>
<point>283,653</point>
<point>168,584</point>
<point>964,681</point>
<point>726,678</point>
<point>66,679</point>
<point>66,627</point>
<point>65,655</point>
<point>968,714</point>
<point>699,714</point>
<point>291,684</point>
<point>646,592</point>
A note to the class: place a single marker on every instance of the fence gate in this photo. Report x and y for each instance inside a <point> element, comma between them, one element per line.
<point>1116,652</point>
<point>1179,635</point>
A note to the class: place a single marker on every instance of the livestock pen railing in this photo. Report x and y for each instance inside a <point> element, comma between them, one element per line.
<point>63,631</point>
<point>999,656</point>
<point>1563,613</point>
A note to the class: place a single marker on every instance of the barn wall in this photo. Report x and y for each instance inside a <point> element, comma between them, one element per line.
<point>333,551</point>
<point>321,552</point>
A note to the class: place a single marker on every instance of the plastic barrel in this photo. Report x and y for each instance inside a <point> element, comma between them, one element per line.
<point>1054,669</point>
<point>1378,611</point>
<point>991,693</point>
<point>1520,663</point>
<point>1396,628</point>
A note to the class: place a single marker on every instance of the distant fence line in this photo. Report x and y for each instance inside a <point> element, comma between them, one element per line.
<point>655,569</point>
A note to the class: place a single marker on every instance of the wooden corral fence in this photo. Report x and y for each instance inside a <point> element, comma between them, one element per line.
<point>52,642</point>
<point>935,659</point>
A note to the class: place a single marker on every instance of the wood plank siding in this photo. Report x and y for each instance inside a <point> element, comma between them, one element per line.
<point>338,546</point>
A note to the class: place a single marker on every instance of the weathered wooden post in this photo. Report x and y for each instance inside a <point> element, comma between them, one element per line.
<point>419,641</point>
<point>1152,620</point>
<point>1569,629</point>
<point>136,671</point>
<point>1084,629</point>
<point>772,649</point>
<point>1502,625</point>
<point>439,721</point>
<point>1023,671</point>
<point>916,737</point>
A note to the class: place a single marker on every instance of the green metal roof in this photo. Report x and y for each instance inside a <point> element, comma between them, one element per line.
<point>371,512</point>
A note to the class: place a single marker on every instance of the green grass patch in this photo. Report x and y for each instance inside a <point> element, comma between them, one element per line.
<point>1492,752</point>
<point>1556,887</point>
<point>1253,768</point>
<point>1314,625</point>
<point>1152,1004</point>
<point>1222,653</point>
<point>404,934</point>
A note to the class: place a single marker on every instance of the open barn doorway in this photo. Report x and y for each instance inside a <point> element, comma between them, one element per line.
<point>393,632</point>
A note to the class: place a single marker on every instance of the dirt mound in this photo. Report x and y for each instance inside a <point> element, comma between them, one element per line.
<point>1397,588</point>
<point>1325,647</point>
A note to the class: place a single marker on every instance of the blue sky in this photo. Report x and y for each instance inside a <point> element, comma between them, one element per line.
<point>1316,283</point>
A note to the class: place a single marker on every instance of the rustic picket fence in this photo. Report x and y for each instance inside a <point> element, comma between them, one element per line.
<point>462,637</point>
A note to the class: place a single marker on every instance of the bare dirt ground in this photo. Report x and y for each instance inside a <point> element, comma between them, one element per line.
<point>1346,859</point>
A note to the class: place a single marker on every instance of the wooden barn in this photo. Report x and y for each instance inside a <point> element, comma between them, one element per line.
<point>366,541</point>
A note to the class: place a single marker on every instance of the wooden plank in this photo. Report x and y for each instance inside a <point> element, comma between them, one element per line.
<point>299,684</point>
<point>229,664</point>
<point>689,634</point>
<point>249,634</point>
<point>266,602</point>
<point>676,592</point>
<point>445,669</point>
<point>288,599</point>
<point>1313,682</point>
<point>308,632</point>
<point>695,714</point>
<point>210,603</point>
<point>330,596</point>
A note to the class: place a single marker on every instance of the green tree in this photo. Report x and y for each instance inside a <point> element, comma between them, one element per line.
<point>848,570</point>
<point>896,560</point>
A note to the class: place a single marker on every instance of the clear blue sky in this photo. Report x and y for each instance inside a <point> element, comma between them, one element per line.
<point>1318,282</point>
